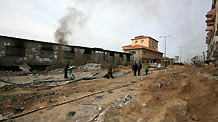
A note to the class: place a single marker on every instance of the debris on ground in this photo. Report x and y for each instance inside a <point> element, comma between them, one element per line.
<point>100,97</point>
<point>176,94</point>
<point>25,68</point>
<point>71,114</point>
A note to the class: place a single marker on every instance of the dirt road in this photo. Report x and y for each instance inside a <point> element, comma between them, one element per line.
<point>178,94</point>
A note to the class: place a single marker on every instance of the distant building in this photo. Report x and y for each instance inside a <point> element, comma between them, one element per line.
<point>167,61</point>
<point>212,35</point>
<point>197,59</point>
<point>144,49</point>
<point>37,54</point>
<point>177,59</point>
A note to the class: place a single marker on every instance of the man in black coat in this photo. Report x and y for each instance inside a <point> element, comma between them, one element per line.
<point>66,70</point>
<point>135,68</point>
<point>110,71</point>
<point>139,68</point>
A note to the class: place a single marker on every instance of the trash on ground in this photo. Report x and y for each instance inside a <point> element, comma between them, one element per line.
<point>71,114</point>
<point>109,92</point>
<point>100,97</point>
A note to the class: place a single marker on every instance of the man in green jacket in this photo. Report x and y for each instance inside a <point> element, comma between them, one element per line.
<point>146,68</point>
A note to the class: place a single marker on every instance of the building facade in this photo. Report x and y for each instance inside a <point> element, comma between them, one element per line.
<point>17,51</point>
<point>144,49</point>
<point>212,35</point>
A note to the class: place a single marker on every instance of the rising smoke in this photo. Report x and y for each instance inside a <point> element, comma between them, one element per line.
<point>73,19</point>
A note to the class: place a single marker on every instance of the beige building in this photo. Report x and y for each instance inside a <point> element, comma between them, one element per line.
<point>144,49</point>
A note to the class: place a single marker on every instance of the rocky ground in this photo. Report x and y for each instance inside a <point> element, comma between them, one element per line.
<point>177,94</point>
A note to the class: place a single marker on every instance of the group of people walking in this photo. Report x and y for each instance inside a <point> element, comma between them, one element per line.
<point>137,68</point>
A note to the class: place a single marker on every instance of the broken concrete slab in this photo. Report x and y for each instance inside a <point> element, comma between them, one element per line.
<point>25,68</point>
<point>89,66</point>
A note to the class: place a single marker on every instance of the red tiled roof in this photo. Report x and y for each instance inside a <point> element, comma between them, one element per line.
<point>209,28</point>
<point>211,12</point>
<point>142,37</point>
<point>129,47</point>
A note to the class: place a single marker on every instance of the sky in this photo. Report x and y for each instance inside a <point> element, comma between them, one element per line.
<point>110,24</point>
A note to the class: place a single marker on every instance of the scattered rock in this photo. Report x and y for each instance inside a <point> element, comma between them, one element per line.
<point>161,84</point>
<point>99,108</point>
<point>91,90</point>
<point>139,120</point>
<point>144,105</point>
<point>1,117</point>
<point>25,68</point>
<point>19,109</point>
<point>195,118</point>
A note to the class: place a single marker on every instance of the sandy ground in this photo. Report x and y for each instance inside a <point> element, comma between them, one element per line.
<point>178,94</point>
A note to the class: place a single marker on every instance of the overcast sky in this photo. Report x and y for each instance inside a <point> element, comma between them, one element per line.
<point>110,24</point>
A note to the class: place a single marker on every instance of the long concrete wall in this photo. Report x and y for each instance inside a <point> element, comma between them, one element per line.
<point>16,51</point>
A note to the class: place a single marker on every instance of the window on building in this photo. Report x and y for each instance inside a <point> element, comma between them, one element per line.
<point>128,57</point>
<point>99,56</point>
<point>133,52</point>
<point>136,42</point>
<point>121,57</point>
<point>16,48</point>
<point>69,54</point>
<point>46,51</point>
<point>142,41</point>
<point>112,56</point>
<point>87,54</point>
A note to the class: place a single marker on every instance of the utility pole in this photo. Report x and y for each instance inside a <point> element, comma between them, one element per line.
<point>180,54</point>
<point>165,49</point>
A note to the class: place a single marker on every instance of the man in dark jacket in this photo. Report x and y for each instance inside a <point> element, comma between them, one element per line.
<point>139,68</point>
<point>135,68</point>
<point>110,71</point>
<point>66,70</point>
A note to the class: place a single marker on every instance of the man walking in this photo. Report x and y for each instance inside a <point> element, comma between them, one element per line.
<point>110,71</point>
<point>146,69</point>
<point>139,68</point>
<point>66,70</point>
<point>135,68</point>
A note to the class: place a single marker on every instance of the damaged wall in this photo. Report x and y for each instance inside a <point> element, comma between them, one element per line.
<point>16,51</point>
